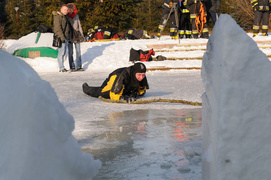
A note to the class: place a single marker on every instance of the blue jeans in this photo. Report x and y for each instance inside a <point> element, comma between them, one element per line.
<point>78,61</point>
<point>61,55</point>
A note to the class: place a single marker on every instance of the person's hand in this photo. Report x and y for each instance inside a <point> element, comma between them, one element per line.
<point>128,99</point>
<point>135,94</point>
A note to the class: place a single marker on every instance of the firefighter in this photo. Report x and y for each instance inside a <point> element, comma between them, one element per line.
<point>261,13</point>
<point>185,28</point>
<point>213,8</point>
<point>125,83</point>
<point>171,10</point>
<point>198,16</point>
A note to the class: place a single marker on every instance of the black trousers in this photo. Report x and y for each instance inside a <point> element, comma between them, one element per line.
<point>185,25</point>
<point>96,91</point>
<point>258,17</point>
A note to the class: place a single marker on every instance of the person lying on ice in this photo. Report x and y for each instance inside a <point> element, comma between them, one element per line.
<point>125,83</point>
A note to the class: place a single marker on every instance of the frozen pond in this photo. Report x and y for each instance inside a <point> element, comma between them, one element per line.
<point>138,141</point>
<point>149,144</point>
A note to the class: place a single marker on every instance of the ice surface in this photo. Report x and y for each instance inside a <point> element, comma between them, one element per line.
<point>36,140</point>
<point>236,106</point>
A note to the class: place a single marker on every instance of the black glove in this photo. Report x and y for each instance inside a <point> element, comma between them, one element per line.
<point>128,99</point>
<point>135,94</point>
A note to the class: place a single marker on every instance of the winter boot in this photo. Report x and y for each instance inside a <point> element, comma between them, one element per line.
<point>160,58</point>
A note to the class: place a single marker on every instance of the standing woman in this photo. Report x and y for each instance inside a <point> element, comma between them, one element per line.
<point>78,37</point>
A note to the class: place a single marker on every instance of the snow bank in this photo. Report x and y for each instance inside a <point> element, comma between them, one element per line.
<point>236,106</point>
<point>36,140</point>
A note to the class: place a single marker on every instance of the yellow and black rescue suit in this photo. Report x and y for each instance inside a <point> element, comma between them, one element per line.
<point>120,84</point>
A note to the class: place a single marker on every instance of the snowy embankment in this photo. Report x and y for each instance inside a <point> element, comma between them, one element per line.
<point>37,140</point>
<point>236,106</point>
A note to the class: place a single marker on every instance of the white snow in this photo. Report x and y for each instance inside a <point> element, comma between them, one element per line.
<point>236,106</point>
<point>48,133</point>
<point>36,140</point>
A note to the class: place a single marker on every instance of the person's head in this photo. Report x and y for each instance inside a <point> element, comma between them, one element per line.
<point>64,9</point>
<point>71,8</point>
<point>139,71</point>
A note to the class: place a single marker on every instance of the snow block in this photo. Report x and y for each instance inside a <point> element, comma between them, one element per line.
<point>236,106</point>
<point>36,130</point>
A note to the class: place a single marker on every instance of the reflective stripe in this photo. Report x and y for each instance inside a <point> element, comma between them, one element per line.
<point>173,30</point>
<point>192,16</point>
<point>185,11</point>
<point>205,30</point>
<point>264,27</point>
<point>256,27</point>
<point>260,7</point>
<point>188,32</point>
<point>107,33</point>
<point>161,27</point>
<point>181,32</point>
<point>130,32</point>
<point>195,32</point>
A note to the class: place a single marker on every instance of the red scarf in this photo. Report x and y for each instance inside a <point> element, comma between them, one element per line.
<point>74,13</point>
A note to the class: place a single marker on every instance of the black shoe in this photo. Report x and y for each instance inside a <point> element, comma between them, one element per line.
<point>160,58</point>
<point>85,88</point>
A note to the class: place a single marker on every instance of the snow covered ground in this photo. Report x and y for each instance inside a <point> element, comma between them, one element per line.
<point>111,132</point>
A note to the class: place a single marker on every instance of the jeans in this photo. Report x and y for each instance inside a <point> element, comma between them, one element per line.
<point>78,61</point>
<point>61,55</point>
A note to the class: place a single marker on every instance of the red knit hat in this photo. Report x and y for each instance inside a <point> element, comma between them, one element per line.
<point>73,7</point>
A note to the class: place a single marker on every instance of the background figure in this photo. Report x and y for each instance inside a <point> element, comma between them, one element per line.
<point>125,83</point>
<point>76,26</point>
<point>185,28</point>
<point>170,8</point>
<point>195,7</point>
<point>62,30</point>
<point>133,33</point>
<point>261,13</point>
<point>213,7</point>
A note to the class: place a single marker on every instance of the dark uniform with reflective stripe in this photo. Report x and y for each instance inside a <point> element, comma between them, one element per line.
<point>194,7</point>
<point>261,12</point>
<point>169,11</point>
<point>119,83</point>
<point>185,28</point>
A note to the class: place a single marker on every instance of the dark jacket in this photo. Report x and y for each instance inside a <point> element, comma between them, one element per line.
<point>261,5</point>
<point>62,27</point>
<point>213,5</point>
<point>121,82</point>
